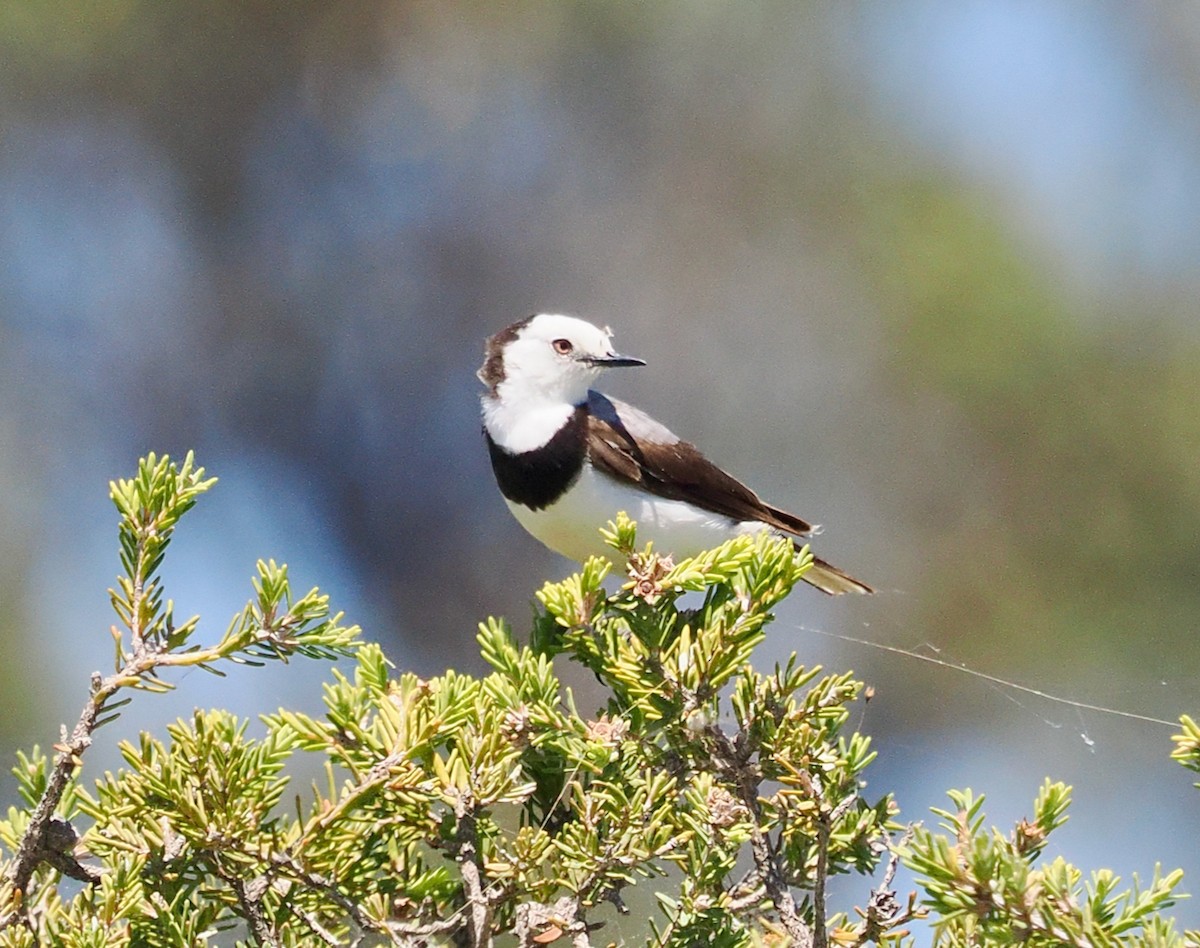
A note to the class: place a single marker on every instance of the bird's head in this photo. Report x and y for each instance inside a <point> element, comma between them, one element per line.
<point>549,358</point>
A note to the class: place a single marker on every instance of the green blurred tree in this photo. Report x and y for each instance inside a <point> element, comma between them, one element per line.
<point>1079,441</point>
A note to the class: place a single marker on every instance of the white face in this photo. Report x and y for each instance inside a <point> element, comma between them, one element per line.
<point>549,359</point>
<point>548,367</point>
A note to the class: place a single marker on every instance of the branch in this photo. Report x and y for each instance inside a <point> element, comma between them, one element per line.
<point>316,927</point>
<point>536,923</point>
<point>736,766</point>
<point>825,820</point>
<point>470,864</point>
<point>35,847</point>
<point>249,896</point>
<point>150,505</point>
<point>883,912</point>
<point>398,933</point>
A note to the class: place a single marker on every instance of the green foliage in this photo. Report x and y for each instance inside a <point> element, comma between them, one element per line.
<point>271,626</point>
<point>458,808</point>
<point>41,841</point>
<point>150,505</point>
<point>1187,744</point>
<point>988,889</point>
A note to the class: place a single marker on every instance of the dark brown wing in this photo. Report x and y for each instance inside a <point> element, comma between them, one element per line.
<point>628,444</point>
<point>652,456</point>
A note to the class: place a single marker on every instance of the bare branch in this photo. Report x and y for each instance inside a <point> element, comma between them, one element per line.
<point>470,864</point>
<point>249,896</point>
<point>746,777</point>
<point>535,919</point>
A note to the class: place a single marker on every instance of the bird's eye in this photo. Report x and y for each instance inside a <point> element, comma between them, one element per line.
<point>563,346</point>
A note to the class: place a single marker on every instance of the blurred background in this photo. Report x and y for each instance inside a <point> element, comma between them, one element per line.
<point>923,272</point>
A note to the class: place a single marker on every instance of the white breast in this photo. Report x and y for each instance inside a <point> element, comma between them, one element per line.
<point>571,525</point>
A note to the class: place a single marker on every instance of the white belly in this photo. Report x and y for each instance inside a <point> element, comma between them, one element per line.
<point>571,526</point>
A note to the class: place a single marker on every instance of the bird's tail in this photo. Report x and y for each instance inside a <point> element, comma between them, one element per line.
<point>830,579</point>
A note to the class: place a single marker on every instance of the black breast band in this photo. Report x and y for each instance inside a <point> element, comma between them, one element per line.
<point>537,478</point>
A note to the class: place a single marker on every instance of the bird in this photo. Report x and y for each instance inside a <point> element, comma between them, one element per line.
<point>568,458</point>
